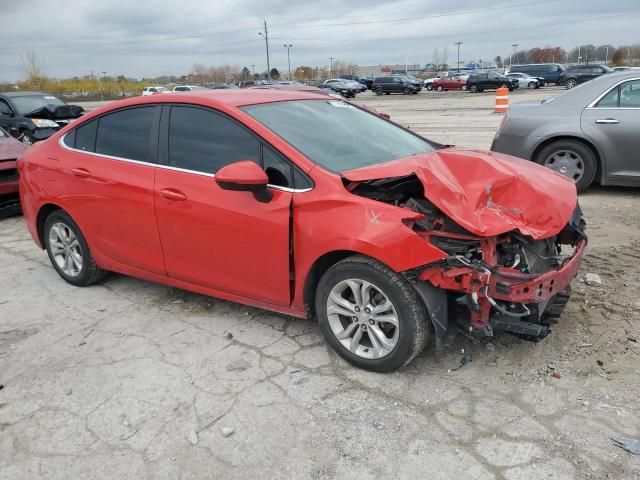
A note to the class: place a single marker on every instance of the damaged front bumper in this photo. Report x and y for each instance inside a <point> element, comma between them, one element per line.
<point>495,288</point>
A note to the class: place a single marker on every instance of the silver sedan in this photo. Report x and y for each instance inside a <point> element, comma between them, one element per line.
<point>591,132</point>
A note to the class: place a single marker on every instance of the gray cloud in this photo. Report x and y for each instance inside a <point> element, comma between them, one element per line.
<point>142,38</point>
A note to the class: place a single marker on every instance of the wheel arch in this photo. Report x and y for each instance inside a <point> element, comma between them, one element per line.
<point>548,141</point>
<point>318,268</point>
<point>44,211</point>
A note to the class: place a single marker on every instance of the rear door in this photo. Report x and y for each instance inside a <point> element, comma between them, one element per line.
<point>614,125</point>
<point>109,170</point>
<point>221,239</point>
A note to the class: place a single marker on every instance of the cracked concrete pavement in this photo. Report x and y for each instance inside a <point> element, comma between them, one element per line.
<point>130,380</point>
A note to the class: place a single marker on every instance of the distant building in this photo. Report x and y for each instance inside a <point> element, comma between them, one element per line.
<point>388,69</point>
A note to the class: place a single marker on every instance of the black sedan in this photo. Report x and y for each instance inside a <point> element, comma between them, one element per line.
<point>34,116</point>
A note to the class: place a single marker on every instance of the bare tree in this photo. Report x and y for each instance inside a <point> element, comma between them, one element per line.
<point>33,68</point>
<point>440,58</point>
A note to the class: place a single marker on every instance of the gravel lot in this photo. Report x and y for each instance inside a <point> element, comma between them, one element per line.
<point>131,380</point>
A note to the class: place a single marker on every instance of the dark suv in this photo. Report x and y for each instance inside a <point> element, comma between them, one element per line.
<point>550,72</point>
<point>393,84</point>
<point>577,74</point>
<point>489,81</point>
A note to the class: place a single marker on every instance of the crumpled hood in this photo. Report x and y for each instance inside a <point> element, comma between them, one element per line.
<point>487,193</point>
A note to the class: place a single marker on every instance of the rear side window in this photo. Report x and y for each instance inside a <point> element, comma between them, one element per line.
<point>126,134</point>
<point>205,141</point>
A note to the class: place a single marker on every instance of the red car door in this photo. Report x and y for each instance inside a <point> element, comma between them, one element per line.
<point>109,170</point>
<point>221,239</point>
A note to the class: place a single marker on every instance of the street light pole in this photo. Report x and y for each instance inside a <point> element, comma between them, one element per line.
<point>514,45</point>
<point>458,44</point>
<point>288,47</point>
<point>330,67</point>
<point>266,43</point>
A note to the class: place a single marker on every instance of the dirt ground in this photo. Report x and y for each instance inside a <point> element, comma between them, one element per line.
<point>129,379</point>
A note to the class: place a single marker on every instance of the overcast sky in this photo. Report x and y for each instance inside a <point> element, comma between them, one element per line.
<point>144,38</point>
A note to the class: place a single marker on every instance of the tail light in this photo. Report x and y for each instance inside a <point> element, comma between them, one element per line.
<point>503,122</point>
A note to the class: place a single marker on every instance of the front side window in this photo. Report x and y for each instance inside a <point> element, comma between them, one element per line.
<point>337,135</point>
<point>126,133</point>
<point>205,141</point>
<point>5,109</point>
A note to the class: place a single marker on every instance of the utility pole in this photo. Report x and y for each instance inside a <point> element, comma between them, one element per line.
<point>514,45</point>
<point>606,57</point>
<point>330,67</point>
<point>288,47</point>
<point>253,71</point>
<point>458,44</point>
<point>265,34</point>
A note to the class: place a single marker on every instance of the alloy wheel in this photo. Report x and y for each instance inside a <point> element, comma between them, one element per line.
<point>567,163</point>
<point>570,83</point>
<point>65,249</point>
<point>363,318</point>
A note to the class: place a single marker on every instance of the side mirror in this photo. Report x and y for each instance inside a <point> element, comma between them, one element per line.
<point>246,176</point>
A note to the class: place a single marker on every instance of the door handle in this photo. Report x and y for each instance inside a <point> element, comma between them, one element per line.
<point>607,120</point>
<point>172,194</point>
<point>81,172</point>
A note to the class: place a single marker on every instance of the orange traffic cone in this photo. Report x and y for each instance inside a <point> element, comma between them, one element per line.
<point>502,100</point>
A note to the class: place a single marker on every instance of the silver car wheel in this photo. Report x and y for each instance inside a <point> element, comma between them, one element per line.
<point>65,249</point>
<point>566,162</point>
<point>570,83</point>
<point>362,318</point>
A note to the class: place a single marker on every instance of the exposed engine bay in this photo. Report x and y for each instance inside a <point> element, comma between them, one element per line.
<point>509,282</point>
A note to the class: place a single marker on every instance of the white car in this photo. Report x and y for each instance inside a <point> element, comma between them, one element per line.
<point>154,90</point>
<point>524,80</point>
<point>187,88</point>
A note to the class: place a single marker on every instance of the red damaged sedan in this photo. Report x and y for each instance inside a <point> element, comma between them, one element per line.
<point>310,206</point>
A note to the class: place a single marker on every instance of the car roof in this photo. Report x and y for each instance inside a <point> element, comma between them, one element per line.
<point>228,97</point>
<point>22,94</point>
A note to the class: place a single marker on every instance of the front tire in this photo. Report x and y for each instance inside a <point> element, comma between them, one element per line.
<point>25,138</point>
<point>370,315</point>
<point>531,85</point>
<point>69,252</point>
<point>570,158</point>
<point>473,88</point>
<point>440,88</point>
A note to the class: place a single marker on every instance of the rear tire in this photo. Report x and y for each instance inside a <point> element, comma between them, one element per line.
<point>429,86</point>
<point>346,316</point>
<point>69,252</point>
<point>575,149</point>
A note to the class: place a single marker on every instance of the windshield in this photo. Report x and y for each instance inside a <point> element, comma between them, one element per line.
<point>337,135</point>
<point>31,103</point>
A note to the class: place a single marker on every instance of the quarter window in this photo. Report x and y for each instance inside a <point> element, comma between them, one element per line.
<point>86,136</point>
<point>630,94</point>
<point>610,100</point>
<point>126,134</point>
<point>205,141</point>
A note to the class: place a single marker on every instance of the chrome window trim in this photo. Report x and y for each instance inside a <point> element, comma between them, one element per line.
<point>168,167</point>
<point>592,105</point>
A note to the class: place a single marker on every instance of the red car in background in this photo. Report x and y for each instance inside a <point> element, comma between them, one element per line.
<point>10,150</point>
<point>307,205</point>
<point>450,83</point>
